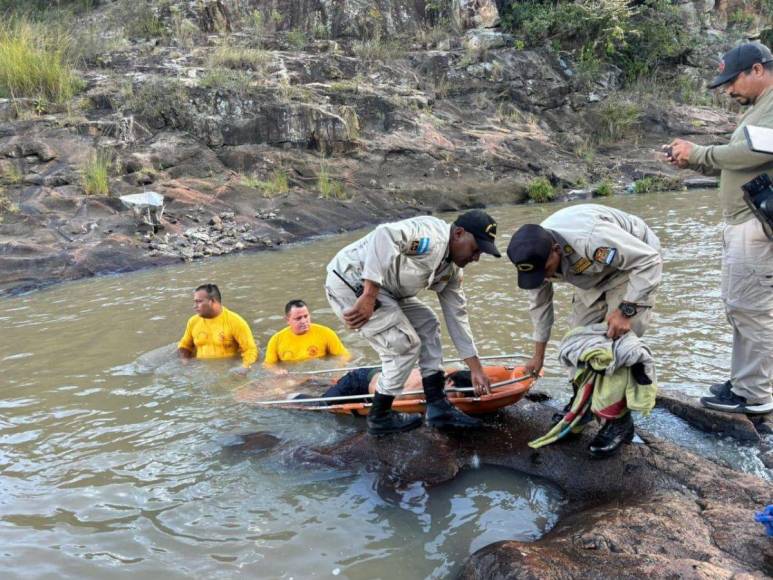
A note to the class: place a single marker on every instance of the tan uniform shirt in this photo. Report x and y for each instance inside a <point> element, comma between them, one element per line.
<point>736,161</point>
<point>405,258</point>
<point>601,248</point>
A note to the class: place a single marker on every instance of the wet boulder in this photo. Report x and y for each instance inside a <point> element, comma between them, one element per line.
<point>735,425</point>
<point>653,510</point>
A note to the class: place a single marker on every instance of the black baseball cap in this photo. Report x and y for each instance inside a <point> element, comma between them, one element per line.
<point>529,250</point>
<point>483,228</point>
<point>738,60</point>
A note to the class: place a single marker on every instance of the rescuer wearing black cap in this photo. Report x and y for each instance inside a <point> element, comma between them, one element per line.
<point>482,227</point>
<point>372,286</point>
<point>613,260</point>
<point>611,257</point>
<point>746,75</point>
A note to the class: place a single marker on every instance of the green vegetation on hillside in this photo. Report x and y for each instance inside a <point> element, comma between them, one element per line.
<point>636,38</point>
<point>30,6</point>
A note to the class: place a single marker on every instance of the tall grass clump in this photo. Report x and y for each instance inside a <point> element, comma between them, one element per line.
<point>34,62</point>
<point>241,58</point>
<point>328,186</point>
<point>378,49</point>
<point>96,178</point>
<point>277,184</point>
<point>618,118</point>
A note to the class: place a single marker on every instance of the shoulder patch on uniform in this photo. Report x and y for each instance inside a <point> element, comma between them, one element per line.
<point>581,265</point>
<point>418,247</point>
<point>605,255</point>
<point>568,249</point>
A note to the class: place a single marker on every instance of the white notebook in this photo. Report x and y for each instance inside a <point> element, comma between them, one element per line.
<point>760,139</point>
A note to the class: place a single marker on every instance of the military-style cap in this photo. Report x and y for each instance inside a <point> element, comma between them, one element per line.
<point>483,228</point>
<point>529,250</point>
<point>738,60</point>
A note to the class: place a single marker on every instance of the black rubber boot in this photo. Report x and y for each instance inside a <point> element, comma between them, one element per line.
<point>441,414</point>
<point>382,420</point>
<point>611,436</point>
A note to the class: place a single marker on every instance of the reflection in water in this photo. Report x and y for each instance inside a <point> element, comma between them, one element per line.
<point>111,451</point>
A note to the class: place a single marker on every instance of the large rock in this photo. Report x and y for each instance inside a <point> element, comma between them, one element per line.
<point>475,13</point>
<point>690,409</point>
<point>347,18</point>
<point>214,16</point>
<point>654,510</point>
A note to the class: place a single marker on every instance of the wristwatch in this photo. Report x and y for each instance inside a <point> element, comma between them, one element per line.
<point>628,309</point>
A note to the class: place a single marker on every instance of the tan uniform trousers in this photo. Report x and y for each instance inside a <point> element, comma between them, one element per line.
<point>583,315</point>
<point>402,332</point>
<point>747,291</point>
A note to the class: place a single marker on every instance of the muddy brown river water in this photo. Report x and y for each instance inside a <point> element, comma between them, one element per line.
<point>112,454</point>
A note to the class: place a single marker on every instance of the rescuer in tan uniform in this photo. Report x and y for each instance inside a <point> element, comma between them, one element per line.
<point>372,286</point>
<point>746,75</point>
<point>613,260</point>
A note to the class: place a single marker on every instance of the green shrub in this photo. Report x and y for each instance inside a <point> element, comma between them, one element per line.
<point>11,174</point>
<point>163,103</point>
<point>276,17</point>
<point>740,18</point>
<point>604,189</point>
<point>296,39</point>
<point>34,63</point>
<point>143,21</point>
<point>256,22</point>
<point>644,185</point>
<point>651,183</point>
<point>540,190</point>
<point>636,38</point>
<point>224,79</point>
<point>6,205</point>
<point>657,35</point>
<point>96,174</point>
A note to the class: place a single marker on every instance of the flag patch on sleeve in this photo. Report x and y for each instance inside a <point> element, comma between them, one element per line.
<point>605,255</point>
<point>418,247</point>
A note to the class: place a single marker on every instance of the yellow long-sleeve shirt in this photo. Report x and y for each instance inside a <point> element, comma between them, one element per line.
<point>320,341</point>
<point>226,335</point>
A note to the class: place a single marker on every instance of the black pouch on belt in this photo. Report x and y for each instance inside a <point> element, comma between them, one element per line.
<point>758,195</point>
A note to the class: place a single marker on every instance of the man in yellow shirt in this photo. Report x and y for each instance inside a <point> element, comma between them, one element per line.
<point>215,331</point>
<point>302,340</point>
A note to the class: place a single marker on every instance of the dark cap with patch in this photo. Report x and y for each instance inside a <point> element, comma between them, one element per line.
<point>482,227</point>
<point>529,250</point>
<point>740,59</point>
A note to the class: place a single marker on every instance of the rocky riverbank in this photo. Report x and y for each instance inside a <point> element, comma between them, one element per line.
<point>258,134</point>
